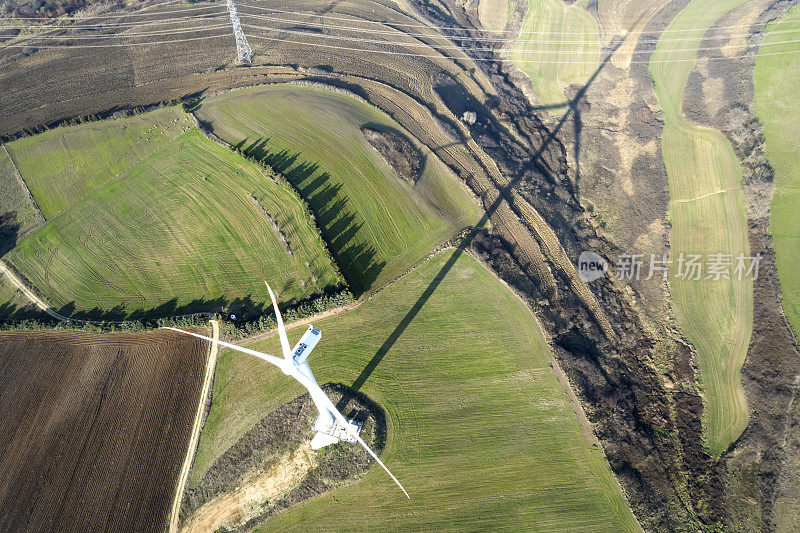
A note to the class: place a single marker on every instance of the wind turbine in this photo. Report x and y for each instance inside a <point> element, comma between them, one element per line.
<point>330,425</point>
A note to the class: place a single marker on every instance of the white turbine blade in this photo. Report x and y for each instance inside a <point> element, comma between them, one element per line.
<point>335,412</point>
<point>277,361</point>
<point>364,444</point>
<point>287,353</point>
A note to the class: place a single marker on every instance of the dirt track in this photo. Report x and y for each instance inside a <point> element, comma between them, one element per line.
<point>199,417</point>
<point>237,507</point>
<point>38,302</point>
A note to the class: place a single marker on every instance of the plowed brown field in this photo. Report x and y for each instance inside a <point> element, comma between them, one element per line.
<point>93,428</point>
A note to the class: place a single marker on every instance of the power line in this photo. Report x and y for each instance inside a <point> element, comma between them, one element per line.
<point>501,60</point>
<point>373,50</point>
<point>382,42</point>
<point>395,43</point>
<point>479,39</point>
<point>121,45</point>
<point>143,13</point>
<point>126,35</point>
<point>459,28</point>
<point>473,49</point>
<point>390,23</point>
<point>393,32</point>
<point>111,25</point>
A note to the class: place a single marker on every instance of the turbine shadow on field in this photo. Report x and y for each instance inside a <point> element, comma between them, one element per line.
<point>338,222</point>
<point>465,243</point>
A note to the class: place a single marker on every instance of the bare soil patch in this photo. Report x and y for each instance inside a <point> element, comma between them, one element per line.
<point>397,150</point>
<point>93,428</point>
<point>272,467</point>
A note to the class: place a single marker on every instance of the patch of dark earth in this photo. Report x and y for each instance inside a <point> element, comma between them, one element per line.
<point>598,142</point>
<point>770,374</point>
<point>281,431</point>
<point>397,150</point>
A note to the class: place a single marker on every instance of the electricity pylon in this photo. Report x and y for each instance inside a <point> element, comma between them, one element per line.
<point>243,51</point>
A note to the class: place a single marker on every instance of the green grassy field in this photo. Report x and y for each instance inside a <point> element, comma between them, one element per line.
<point>13,305</point>
<point>558,46</point>
<point>182,224</point>
<point>777,102</point>
<point>708,217</point>
<point>628,18</point>
<point>13,198</point>
<point>480,432</point>
<point>377,224</point>
<point>63,165</point>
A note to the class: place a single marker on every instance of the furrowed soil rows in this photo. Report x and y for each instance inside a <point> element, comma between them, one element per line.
<point>93,428</point>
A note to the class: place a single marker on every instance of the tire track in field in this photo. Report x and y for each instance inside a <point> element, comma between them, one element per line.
<point>30,295</point>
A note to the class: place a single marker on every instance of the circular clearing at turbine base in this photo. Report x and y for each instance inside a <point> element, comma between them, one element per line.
<point>273,467</point>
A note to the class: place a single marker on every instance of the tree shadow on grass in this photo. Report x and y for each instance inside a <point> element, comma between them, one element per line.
<point>246,308</point>
<point>9,232</point>
<point>339,223</point>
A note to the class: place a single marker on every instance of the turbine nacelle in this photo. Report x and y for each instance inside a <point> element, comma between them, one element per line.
<point>307,342</point>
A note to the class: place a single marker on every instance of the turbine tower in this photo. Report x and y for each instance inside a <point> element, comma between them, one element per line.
<point>243,51</point>
<point>330,425</point>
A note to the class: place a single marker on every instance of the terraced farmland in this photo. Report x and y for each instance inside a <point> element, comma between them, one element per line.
<point>376,224</point>
<point>63,165</point>
<point>480,431</point>
<point>708,217</point>
<point>93,428</point>
<point>777,103</point>
<point>190,227</point>
<point>558,46</point>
